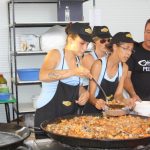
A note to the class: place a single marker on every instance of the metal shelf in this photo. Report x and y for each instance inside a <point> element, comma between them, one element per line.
<point>19,82</point>
<point>21,108</point>
<point>42,24</point>
<point>19,53</point>
<point>43,1</point>
<point>28,82</point>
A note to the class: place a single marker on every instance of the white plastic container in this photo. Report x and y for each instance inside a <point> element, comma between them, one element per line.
<point>143,108</point>
<point>34,99</point>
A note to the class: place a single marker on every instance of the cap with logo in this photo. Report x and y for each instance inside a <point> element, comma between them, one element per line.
<point>124,37</point>
<point>101,32</point>
<point>83,30</point>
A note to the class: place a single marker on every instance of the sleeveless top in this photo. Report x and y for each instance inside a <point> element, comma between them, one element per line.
<point>105,76</point>
<point>49,88</point>
<point>86,80</point>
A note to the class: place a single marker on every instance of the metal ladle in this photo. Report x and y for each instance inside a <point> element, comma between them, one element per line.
<point>104,93</point>
<point>108,112</point>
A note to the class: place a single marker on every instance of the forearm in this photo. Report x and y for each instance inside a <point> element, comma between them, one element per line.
<point>54,75</point>
<point>92,100</point>
<point>128,86</point>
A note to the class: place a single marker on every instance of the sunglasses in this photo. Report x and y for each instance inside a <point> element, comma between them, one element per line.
<point>102,41</point>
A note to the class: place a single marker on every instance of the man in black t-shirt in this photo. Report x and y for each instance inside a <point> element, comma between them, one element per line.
<point>138,81</point>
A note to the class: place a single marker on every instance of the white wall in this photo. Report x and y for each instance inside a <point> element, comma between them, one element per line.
<point>122,15</point>
<point>118,15</point>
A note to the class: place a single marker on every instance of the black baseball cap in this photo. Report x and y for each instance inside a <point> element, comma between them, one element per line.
<point>101,32</point>
<point>83,30</point>
<point>124,37</point>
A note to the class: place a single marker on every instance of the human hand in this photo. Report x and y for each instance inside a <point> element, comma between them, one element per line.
<point>131,103</point>
<point>136,98</point>
<point>83,98</point>
<point>82,72</point>
<point>100,104</point>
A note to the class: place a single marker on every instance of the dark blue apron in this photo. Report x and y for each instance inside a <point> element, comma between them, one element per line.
<point>108,87</point>
<point>63,103</point>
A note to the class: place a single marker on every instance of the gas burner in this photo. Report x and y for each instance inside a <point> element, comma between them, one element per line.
<point>49,144</point>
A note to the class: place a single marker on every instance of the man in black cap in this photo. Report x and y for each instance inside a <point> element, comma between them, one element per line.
<point>138,81</point>
<point>60,75</point>
<point>101,38</point>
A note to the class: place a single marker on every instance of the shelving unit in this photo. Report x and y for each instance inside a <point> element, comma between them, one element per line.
<point>26,107</point>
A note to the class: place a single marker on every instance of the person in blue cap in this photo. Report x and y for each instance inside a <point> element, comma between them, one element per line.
<point>110,72</point>
<point>60,75</point>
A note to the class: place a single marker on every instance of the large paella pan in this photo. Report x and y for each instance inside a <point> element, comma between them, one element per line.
<point>97,131</point>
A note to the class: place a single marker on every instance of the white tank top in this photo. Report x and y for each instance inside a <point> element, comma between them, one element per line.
<point>49,88</point>
<point>104,63</point>
<point>86,80</point>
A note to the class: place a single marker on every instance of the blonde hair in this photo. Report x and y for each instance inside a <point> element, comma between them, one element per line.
<point>96,38</point>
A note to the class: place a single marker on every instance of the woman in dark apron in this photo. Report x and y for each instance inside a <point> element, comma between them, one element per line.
<point>60,75</point>
<point>101,38</point>
<point>110,72</point>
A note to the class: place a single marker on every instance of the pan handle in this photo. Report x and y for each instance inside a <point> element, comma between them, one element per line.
<point>36,130</point>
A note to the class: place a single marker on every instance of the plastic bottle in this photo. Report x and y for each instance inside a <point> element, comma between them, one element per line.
<point>67,13</point>
<point>3,85</point>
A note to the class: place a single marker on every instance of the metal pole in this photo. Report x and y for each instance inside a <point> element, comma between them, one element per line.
<point>93,3</point>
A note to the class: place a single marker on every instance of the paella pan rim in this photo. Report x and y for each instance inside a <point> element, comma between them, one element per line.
<point>94,143</point>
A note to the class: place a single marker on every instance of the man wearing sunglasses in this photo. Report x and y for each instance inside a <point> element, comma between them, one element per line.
<point>101,38</point>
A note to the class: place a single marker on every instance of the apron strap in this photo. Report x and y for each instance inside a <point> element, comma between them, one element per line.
<point>96,55</point>
<point>63,60</point>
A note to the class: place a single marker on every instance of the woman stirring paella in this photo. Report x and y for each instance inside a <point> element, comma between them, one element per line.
<point>60,75</point>
<point>110,72</point>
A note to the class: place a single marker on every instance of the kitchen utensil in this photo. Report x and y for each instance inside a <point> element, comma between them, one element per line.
<point>28,74</point>
<point>12,136</point>
<point>116,111</point>
<point>93,143</point>
<point>108,111</point>
<point>104,93</point>
<point>116,106</point>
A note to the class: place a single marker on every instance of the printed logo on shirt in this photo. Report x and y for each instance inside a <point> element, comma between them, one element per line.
<point>145,64</point>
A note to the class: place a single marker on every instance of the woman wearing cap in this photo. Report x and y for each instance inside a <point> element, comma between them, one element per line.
<point>101,38</point>
<point>60,75</point>
<point>110,72</point>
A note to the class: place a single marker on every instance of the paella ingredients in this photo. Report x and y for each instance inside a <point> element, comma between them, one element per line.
<point>97,127</point>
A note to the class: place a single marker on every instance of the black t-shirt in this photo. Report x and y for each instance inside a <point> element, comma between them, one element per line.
<point>139,64</point>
